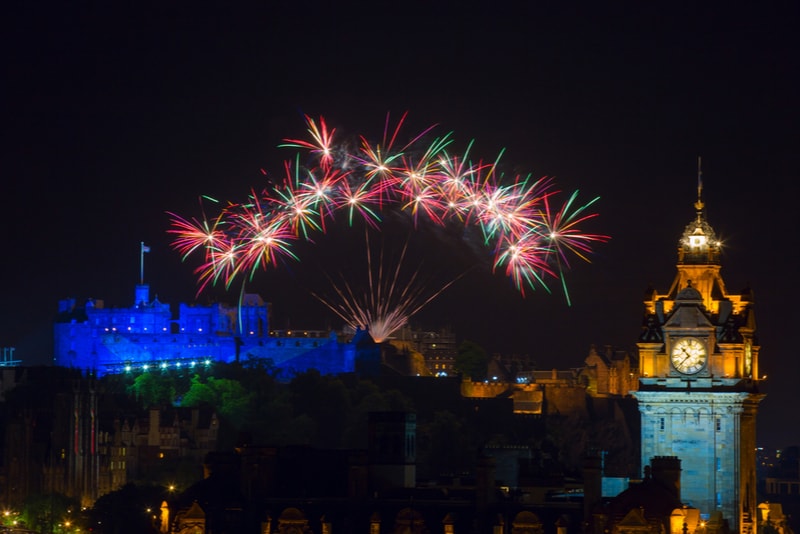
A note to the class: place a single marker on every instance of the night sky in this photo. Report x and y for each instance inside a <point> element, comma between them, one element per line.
<point>114,116</point>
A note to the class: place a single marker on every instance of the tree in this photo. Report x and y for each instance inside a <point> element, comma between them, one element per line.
<point>49,512</point>
<point>472,360</point>
<point>153,389</point>
<point>199,393</point>
<point>227,396</point>
<point>131,509</point>
<point>234,400</point>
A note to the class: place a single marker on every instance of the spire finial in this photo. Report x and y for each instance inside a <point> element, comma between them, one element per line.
<point>699,204</point>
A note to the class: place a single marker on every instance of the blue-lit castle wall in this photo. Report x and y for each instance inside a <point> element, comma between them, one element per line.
<point>146,336</point>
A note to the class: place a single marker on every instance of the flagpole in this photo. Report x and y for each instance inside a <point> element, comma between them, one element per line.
<point>142,250</point>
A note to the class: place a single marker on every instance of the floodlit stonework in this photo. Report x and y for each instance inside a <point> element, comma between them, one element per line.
<point>698,394</point>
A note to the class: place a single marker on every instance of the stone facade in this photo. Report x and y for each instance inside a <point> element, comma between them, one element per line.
<point>438,348</point>
<point>611,372</point>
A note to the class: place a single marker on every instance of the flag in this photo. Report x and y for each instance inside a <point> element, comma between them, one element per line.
<point>145,248</point>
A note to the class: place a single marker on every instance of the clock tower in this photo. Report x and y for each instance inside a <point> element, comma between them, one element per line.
<point>698,391</point>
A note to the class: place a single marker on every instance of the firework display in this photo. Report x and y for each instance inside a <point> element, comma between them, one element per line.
<point>385,297</point>
<point>528,238</point>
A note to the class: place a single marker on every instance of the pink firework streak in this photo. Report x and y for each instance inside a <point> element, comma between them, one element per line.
<point>531,240</point>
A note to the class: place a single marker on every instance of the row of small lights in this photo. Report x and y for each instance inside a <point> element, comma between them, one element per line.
<point>166,365</point>
<point>164,329</point>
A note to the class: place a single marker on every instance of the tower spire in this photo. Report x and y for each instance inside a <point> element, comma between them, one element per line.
<point>699,204</point>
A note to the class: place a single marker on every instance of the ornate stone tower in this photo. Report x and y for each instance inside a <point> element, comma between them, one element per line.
<point>698,394</point>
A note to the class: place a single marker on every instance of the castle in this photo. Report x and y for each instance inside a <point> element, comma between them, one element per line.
<point>145,337</point>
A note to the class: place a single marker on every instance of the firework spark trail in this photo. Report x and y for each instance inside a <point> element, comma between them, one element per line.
<point>530,240</point>
<point>322,142</point>
<point>389,300</point>
<point>383,167</point>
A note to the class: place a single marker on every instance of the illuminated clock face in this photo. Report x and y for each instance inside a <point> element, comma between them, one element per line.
<point>688,355</point>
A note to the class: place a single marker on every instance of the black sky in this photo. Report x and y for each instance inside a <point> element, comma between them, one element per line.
<point>113,116</point>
